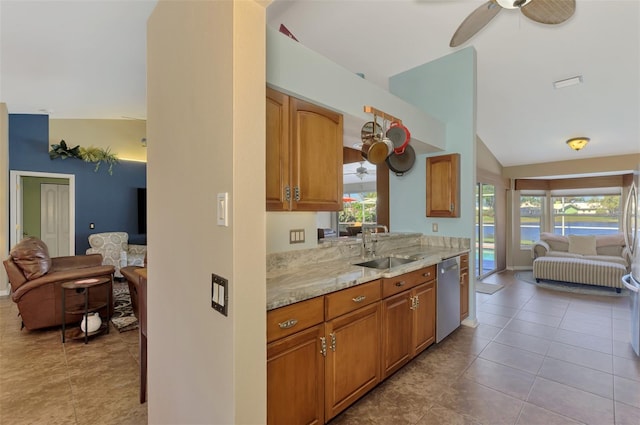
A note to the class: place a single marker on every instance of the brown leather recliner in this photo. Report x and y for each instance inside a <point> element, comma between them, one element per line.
<point>36,281</point>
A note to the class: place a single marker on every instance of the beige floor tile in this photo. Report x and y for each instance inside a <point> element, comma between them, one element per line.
<point>591,342</point>
<point>539,318</point>
<point>583,378</point>
<point>626,415</point>
<point>530,328</point>
<point>513,382</point>
<point>477,401</point>
<point>572,402</point>
<point>512,357</point>
<point>542,307</point>
<point>439,415</point>
<point>603,331</point>
<point>534,415</point>
<point>487,331</point>
<point>492,319</point>
<point>581,356</point>
<point>523,341</point>
<point>627,367</point>
<point>624,349</point>
<point>627,391</point>
<point>498,309</point>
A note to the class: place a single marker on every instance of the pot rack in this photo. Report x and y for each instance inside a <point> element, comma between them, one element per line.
<point>379,113</point>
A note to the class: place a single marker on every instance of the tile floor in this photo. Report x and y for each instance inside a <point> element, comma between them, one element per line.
<point>538,357</point>
<point>43,381</point>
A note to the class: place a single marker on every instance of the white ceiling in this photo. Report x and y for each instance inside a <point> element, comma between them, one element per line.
<point>87,60</point>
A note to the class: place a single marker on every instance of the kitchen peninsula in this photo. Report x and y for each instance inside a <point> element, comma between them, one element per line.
<point>336,328</point>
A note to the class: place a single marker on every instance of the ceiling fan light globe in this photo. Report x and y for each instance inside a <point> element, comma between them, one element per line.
<point>511,4</point>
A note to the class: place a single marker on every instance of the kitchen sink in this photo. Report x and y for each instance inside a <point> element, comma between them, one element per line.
<point>385,262</point>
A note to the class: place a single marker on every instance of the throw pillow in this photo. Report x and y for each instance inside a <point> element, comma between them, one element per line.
<point>32,256</point>
<point>584,245</point>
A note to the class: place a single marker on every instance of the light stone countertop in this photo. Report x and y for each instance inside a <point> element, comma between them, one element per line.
<point>302,283</point>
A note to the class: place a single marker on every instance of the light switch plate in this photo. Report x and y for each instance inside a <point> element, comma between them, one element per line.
<point>434,227</point>
<point>219,294</point>
<point>222,207</point>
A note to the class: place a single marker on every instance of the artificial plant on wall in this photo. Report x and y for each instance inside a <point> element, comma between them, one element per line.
<point>90,154</point>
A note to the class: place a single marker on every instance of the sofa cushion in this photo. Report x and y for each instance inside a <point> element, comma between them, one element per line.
<point>584,245</point>
<point>32,256</point>
<point>555,242</point>
<point>607,258</point>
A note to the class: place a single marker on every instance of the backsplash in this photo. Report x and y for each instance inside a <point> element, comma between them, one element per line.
<point>332,249</point>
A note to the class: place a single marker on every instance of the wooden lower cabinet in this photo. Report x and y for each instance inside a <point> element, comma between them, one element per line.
<point>408,326</point>
<point>352,367</point>
<point>295,378</point>
<point>424,329</point>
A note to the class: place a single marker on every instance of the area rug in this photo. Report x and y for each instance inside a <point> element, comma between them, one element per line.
<point>577,288</point>
<point>488,288</point>
<point>123,318</point>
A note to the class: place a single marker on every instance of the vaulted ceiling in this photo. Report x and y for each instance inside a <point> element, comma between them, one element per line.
<point>87,60</point>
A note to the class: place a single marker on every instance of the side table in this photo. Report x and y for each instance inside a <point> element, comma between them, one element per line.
<point>83,286</point>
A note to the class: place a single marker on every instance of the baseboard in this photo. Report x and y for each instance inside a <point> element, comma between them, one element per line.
<point>470,323</point>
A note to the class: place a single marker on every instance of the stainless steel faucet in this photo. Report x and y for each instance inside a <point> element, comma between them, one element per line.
<point>369,247</point>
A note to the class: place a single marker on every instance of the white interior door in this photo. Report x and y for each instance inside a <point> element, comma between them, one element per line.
<point>54,218</point>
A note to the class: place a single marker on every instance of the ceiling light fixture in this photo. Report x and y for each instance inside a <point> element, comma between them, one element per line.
<point>567,82</point>
<point>578,143</point>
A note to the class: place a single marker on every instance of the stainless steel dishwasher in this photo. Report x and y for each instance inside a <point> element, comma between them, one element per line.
<point>448,303</point>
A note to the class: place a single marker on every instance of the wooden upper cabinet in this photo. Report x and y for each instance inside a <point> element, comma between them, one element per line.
<point>443,192</point>
<point>304,155</point>
<point>277,151</point>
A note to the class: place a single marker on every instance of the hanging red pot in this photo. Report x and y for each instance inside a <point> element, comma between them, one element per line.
<point>400,137</point>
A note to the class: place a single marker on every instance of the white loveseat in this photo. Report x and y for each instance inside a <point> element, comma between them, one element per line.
<point>599,260</point>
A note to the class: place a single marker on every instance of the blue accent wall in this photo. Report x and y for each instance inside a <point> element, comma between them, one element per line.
<point>109,201</point>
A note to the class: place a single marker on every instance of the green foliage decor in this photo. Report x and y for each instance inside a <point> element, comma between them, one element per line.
<point>90,154</point>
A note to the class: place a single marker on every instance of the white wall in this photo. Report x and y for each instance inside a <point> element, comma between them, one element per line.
<point>446,89</point>
<point>279,224</point>
<point>206,117</point>
<point>122,137</point>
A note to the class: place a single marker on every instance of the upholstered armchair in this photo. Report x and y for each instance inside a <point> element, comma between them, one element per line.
<point>116,251</point>
<point>36,282</point>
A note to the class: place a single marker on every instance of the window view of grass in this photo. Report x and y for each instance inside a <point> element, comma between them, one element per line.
<point>569,215</point>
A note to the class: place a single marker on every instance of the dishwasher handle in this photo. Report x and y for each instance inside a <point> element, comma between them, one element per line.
<point>449,268</point>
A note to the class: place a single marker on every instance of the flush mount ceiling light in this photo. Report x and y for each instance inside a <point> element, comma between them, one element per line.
<point>567,82</point>
<point>578,143</point>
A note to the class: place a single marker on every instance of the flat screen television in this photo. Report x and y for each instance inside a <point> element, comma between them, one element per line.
<point>142,210</point>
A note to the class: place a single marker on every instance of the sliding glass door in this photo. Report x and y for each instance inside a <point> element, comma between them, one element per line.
<point>485,229</point>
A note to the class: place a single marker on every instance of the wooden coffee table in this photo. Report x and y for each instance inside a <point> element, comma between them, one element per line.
<point>84,286</point>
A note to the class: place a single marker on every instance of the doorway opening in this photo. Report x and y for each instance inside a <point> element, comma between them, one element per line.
<point>45,203</point>
<point>485,229</point>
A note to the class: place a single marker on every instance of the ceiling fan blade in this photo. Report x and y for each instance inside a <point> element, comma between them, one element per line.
<point>549,11</point>
<point>475,22</point>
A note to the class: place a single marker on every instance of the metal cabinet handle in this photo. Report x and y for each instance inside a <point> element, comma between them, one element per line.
<point>417,297</point>
<point>333,341</point>
<point>427,274</point>
<point>323,346</point>
<point>288,323</point>
<point>401,283</point>
<point>359,298</point>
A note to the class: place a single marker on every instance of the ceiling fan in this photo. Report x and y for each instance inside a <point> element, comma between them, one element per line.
<point>544,11</point>
<point>361,171</point>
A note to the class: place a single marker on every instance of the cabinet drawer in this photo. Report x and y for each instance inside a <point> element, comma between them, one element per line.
<point>395,285</point>
<point>341,302</point>
<point>293,318</point>
<point>464,261</point>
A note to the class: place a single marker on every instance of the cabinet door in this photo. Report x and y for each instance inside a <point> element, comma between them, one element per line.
<point>277,150</point>
<point>396,332</point>
<point>295,379</point>
<point>352,365</point>
<point>316,155</point>
<point>442,185</point>
<point>424,329</point>
<point>464,294</point>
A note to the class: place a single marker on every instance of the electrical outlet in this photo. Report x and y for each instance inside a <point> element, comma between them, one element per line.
<point>434,227</point>
<point>296,236</point>
<point>92,226</point>
<point>219,294</point>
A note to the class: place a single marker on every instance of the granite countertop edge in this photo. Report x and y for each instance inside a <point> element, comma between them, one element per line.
<point>319,279</point>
